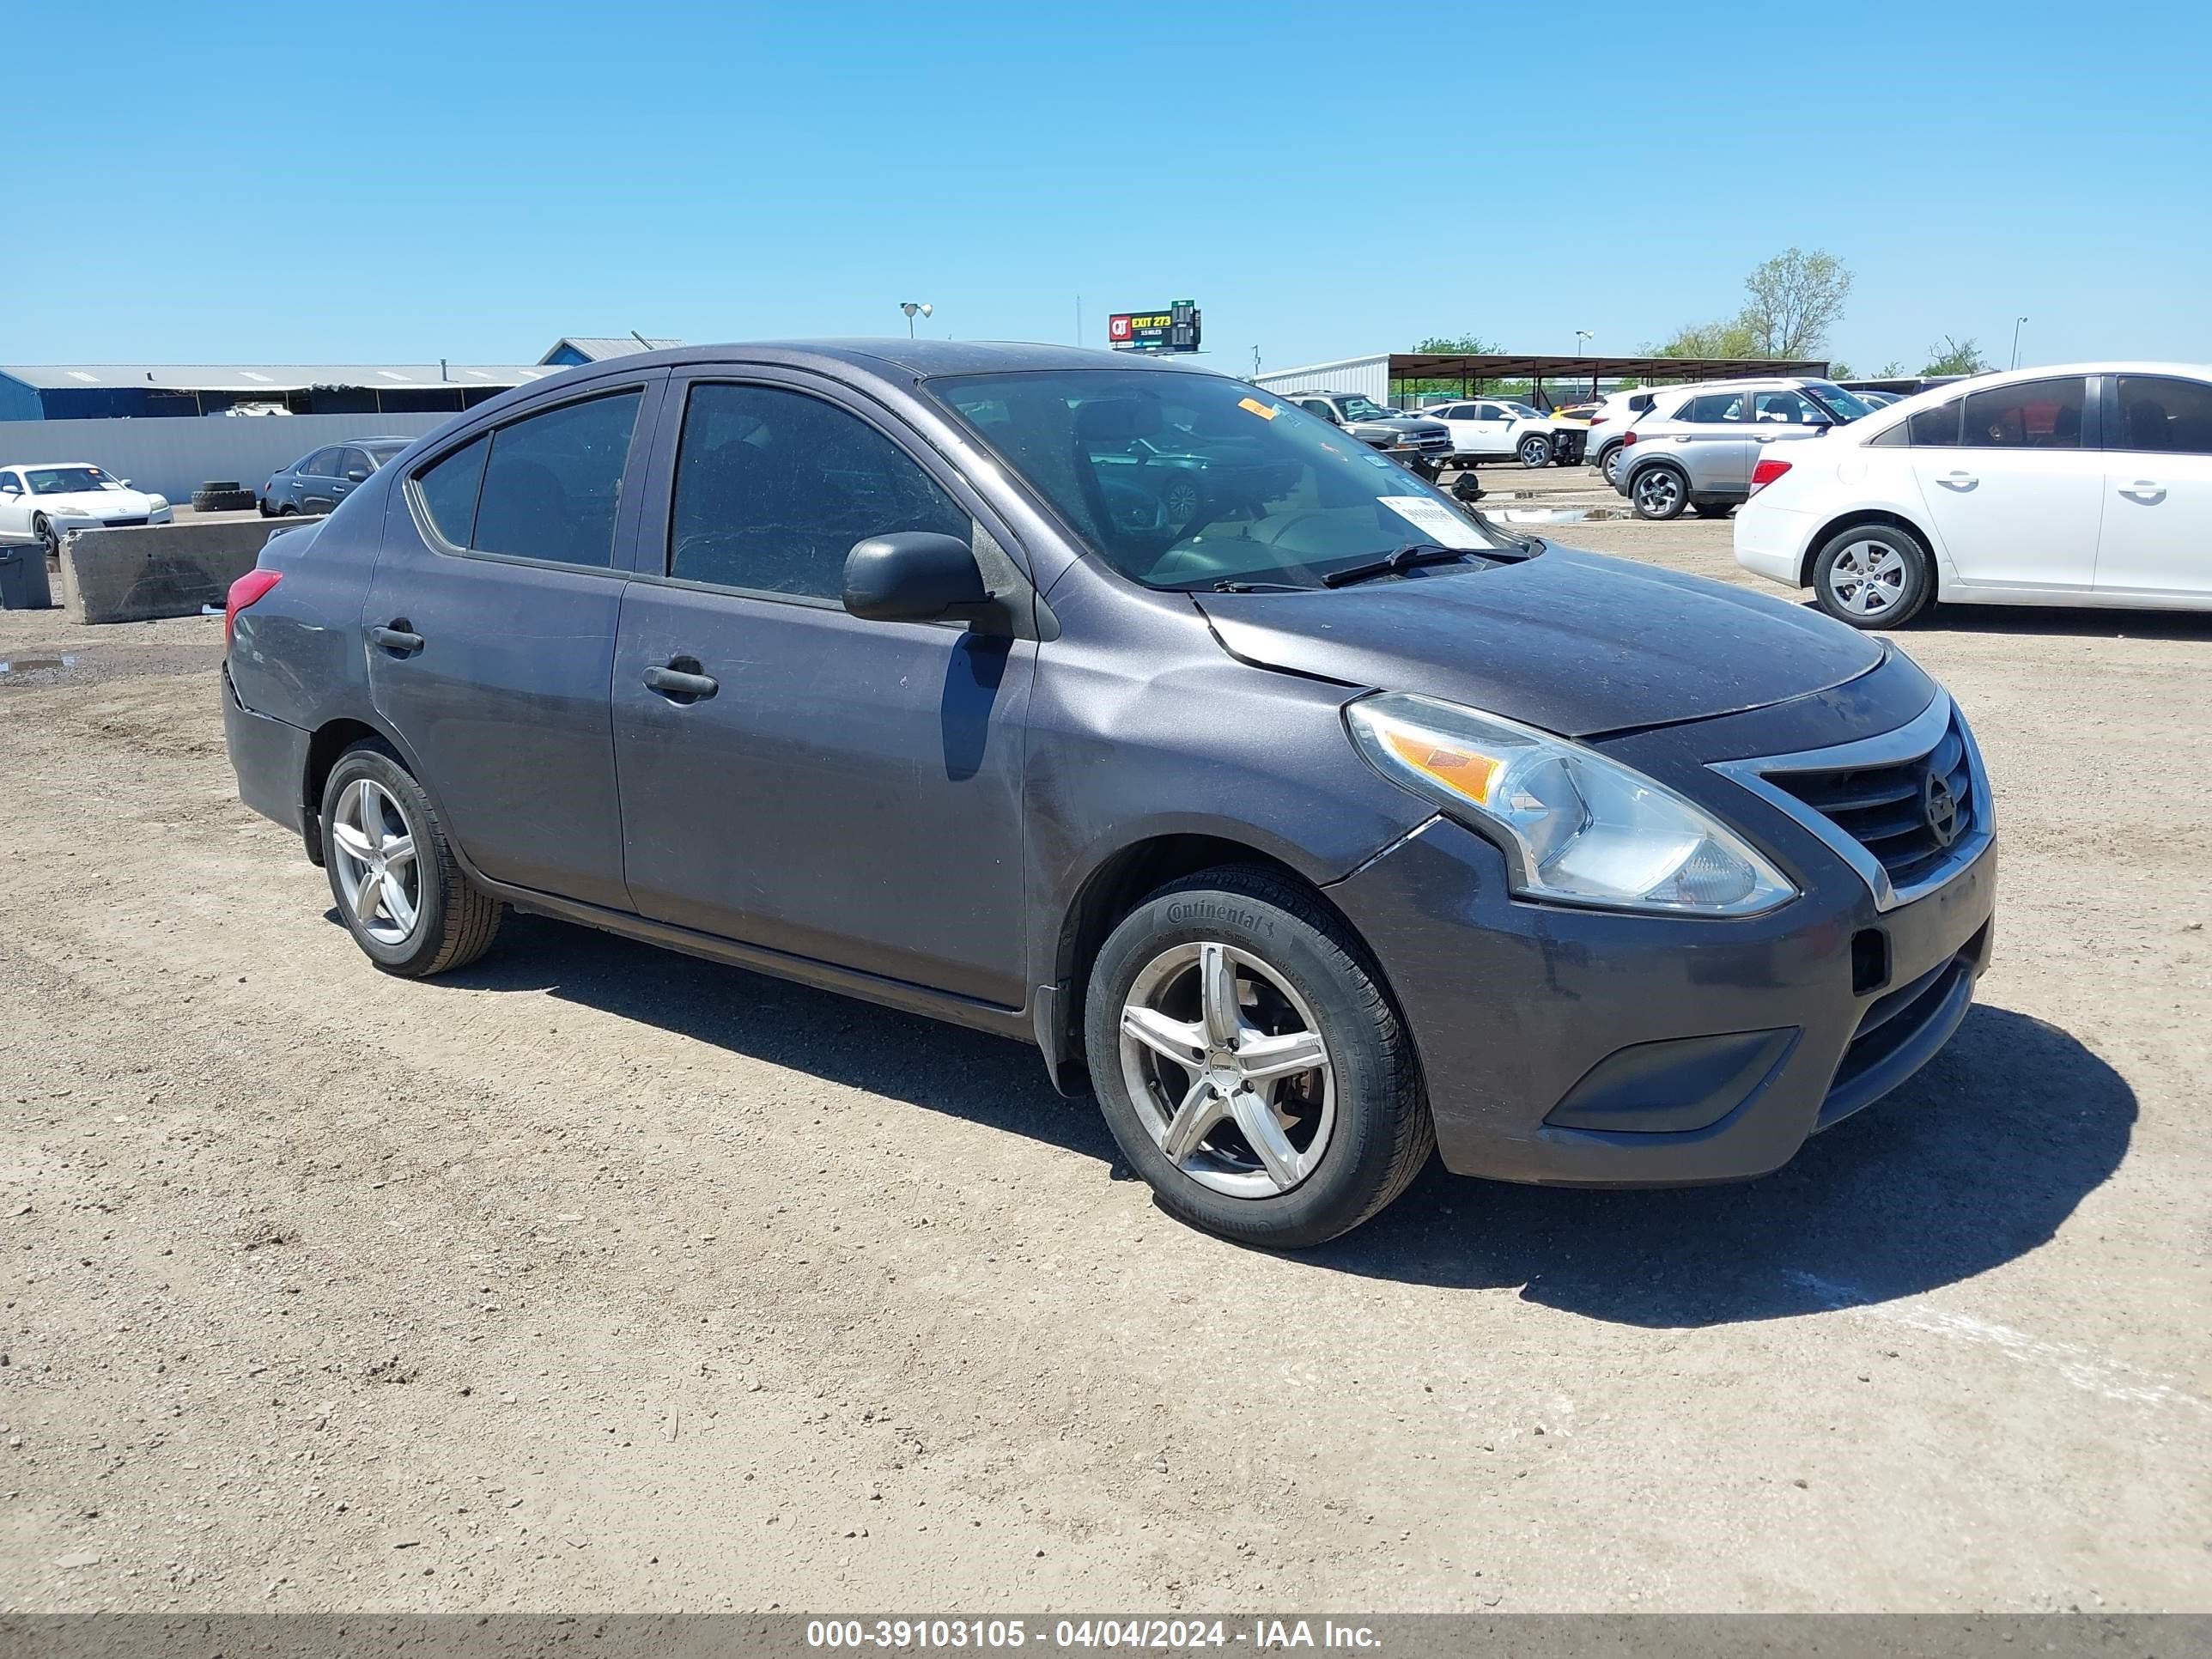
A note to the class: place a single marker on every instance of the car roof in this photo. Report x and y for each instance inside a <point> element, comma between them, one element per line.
<point>919,359</point>
<point>1891,415</point>
<point>39,466</point>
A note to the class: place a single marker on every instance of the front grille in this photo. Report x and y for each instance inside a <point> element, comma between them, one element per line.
<point>121,524</point>
<point>1895,811</point>
<point>1891,1024</point>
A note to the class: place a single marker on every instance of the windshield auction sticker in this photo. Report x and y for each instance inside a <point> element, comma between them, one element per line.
<point>1435,520</point>
<point>1256,408</point>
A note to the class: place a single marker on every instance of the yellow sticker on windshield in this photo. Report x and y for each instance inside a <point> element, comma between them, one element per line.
<point>1257,407</point>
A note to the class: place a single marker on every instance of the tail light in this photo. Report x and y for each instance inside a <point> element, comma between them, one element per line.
<point>1628,437</point>
<point>1769,468</point>
<point>1597,420</point>
<point>245,592</point>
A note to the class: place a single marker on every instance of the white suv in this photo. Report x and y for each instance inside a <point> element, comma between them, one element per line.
<point>2088,485</point>
<point>1610,424</point>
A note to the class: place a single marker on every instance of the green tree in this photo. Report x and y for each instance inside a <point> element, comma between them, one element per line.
<point>1472,345</point>
<point>1729,338</point>
<point>1892,370</point>
<point>1956,357</point>
<point>1797,298</point>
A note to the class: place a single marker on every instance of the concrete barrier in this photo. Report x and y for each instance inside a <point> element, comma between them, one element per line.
<point>160,570</point>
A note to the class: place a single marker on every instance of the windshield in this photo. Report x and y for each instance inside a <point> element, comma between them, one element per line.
<point>68,480</point>
<point>1183,480</point>
<point>379,453</point>
<point>1356,408</point>
<point>1837,401</point>
<point>1522,412</point>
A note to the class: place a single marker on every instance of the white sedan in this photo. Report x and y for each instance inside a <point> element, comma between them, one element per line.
<point>45,502</point>
<point>1497,429</point>
<point>2088,485</point>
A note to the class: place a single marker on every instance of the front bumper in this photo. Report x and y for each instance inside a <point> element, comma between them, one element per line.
<point>1583,1048</point>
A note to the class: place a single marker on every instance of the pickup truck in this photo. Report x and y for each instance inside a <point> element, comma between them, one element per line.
<point>1423,445</point>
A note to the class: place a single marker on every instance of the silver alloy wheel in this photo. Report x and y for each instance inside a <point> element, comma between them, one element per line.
<point>1228,1069</point>
<point>1868,579</point>
<point>378,871</point>
<point>1611,466</point>
<point>1535,451</point>
<point>1657,490</point>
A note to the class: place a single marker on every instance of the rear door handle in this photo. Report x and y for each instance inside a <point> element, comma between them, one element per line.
<point>2148,491</point>
<point>1958,481</point>
<point>396,638</point>
<point>683,684</point>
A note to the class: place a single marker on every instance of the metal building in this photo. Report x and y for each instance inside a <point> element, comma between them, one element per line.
<point>82,392</point>
<point>1370,375</point>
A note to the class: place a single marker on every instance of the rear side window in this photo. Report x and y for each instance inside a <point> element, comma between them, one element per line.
<point>548,487</point>
<point>323,464</point>
<point>774,487</point>
<point>448,490</point>
<point>1713,408</point>
<point>2035,415</point>
<point>2163,415</point>
<point>1937,428</point>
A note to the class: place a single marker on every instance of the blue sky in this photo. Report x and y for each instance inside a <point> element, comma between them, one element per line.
<point>240,183</point>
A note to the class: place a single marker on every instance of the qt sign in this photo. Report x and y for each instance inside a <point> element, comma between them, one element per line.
<point>1170,328</point>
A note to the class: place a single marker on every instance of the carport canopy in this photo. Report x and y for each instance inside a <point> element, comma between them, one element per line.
<point>1472,369</point>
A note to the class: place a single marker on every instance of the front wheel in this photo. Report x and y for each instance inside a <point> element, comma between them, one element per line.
<point>1249,1063</point>
<point>1535,452</point>
<point>48,538</point>
<point>1659,492</point>
<point>1874,576</point>
<point>399,890</point>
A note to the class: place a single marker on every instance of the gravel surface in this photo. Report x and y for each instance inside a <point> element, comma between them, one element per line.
<point>595,1277</point>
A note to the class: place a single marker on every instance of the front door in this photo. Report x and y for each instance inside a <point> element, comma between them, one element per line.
<point>2015,493</point>
<point>791,777</point>
<point>1719,425</point>
<point>490,626</point>
<point>2156,542</point>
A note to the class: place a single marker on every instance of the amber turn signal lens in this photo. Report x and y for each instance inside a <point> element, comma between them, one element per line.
<point>1459,770</point>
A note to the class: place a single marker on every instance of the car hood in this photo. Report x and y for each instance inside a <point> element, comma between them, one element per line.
<point>95,503</point>
<point>1572,642</point>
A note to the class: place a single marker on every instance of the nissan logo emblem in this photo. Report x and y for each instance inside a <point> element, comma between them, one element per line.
<point>1940,808</point>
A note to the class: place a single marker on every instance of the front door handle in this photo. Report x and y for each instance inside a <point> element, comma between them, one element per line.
<point>1958,481</point>
<point>396,638</point>
<point>2146,490</point>
<point>681,682</point>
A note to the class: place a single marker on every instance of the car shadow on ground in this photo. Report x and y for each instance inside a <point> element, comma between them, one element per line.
<point>1977,1160</point>
<point>2067,622</point>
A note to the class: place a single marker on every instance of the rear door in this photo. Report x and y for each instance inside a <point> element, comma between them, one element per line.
<point>1717,425</point>
<point>2015,489</point>
<point>490,627</point>
<point>2156,540</point>
<point>847,791</point>
<point>317,481</point>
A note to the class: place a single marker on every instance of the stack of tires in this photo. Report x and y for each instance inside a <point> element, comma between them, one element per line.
<point>222,495</point>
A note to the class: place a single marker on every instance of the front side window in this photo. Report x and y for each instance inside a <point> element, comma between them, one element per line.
<point>1234,484</point>
<point>553,482</point>
<point>2164,414</point>
<point>323,464</point>
<point>2033,415</point>
<point>774,487</point>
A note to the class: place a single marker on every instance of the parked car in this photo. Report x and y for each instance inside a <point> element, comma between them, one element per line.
<point>320,480</point>
<point>1876,400</point>
<point>1497,429</point>
<point>1695,446</point>
<point>2088,485</point>
<point>1576,414</point>
<point>43,501</point>
<point>1302,830</point>
<point>1423,444</point>
<point>1609,423</point>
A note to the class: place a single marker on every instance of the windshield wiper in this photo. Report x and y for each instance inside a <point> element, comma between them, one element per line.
<point>1529,545</point>
<point>1259,588</point>
<point>1402,558</point>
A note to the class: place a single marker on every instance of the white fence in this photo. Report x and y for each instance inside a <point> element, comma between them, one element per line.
<point>176,456</point>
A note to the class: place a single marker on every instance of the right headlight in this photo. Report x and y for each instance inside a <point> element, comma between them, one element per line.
<point>1576,828</point>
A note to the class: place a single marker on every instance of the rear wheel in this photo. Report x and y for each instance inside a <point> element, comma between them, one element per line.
<point>399,890</point>
<point>1535,451</point>
<point>1249,1063</point>
<point>1659,492</point>
<point>1874,576</point>
<point>1609,465</point>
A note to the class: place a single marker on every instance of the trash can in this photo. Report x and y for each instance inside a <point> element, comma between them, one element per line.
<point>23,585</point>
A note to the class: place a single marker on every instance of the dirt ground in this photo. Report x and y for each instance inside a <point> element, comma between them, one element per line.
<point>599,1277</point>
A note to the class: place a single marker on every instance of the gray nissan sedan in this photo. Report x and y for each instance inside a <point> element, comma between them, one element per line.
<point>1128,710</point>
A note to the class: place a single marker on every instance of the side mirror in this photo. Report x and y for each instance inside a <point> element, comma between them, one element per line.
<point>916,575</point>
<point>126,484</point>
<point>355,475</point>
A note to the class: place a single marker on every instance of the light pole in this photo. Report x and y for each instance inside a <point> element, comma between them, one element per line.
<point>2016,322</point>
<point>1582,337</point>
<point>912,310</point>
